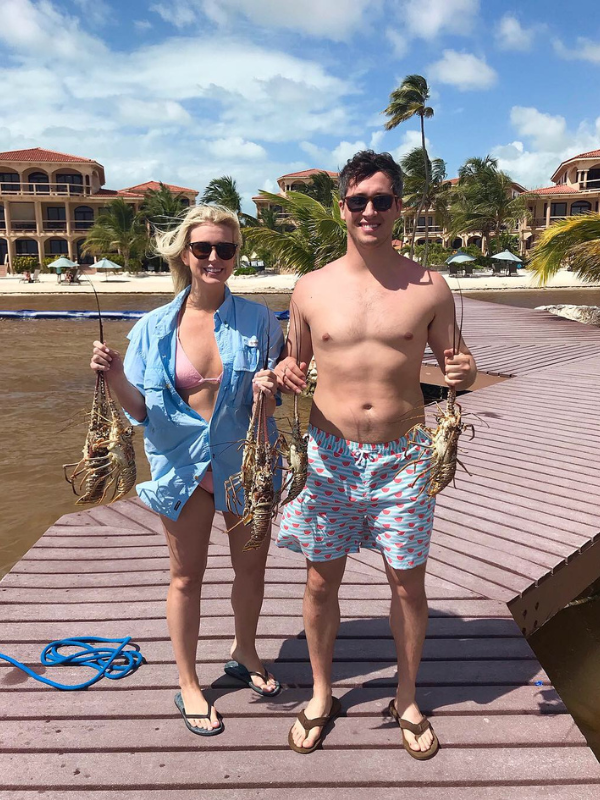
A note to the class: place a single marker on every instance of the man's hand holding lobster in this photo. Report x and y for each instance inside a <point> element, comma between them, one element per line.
<point>460,370</point>
<point>291,375</point>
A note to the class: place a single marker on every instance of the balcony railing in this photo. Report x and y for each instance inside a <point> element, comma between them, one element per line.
<point>23,225</point>
<point>540,222</point>
<point>82,224</point>
<point>43,189</point>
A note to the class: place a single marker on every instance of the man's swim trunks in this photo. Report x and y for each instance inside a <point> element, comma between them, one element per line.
<point>356,497</point>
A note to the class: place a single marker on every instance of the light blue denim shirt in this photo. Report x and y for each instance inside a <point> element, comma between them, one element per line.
<point>179,443</point>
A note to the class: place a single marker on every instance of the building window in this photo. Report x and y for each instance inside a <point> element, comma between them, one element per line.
<point>69,182</point>
<point>58,247</point>
<point>26,247</point>
<point>56,214</point>
<point>421,222</point>
<point>581,207</point>
<point>9,182</point>
<point>38,183</point>
<point>593,178</point>
<point>84,217</point>
<point>558,210</point>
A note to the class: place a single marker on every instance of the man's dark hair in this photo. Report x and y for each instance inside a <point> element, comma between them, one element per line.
<point>366,163</point>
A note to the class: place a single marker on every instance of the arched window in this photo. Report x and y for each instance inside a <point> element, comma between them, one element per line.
<point>456,243</point>
<point>38,183</point>
<point>2,219</point>
<point>9,182</point>
<point>26,247</point>
<point>580,207</point>
<point>57,247</point>
<point>69,183</point>
<point>3,251</point>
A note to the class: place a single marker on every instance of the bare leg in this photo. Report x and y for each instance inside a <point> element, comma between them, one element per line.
<point>187,539</point>
<point>408,621</point>
<point>321,622</point>
<point>247,595</point>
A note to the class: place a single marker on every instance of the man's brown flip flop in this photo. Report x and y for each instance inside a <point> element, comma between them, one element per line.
<point>417,729</point>
<point>319,722</point>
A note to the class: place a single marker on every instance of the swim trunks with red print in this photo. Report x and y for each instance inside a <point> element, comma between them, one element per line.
<point>356,497</point>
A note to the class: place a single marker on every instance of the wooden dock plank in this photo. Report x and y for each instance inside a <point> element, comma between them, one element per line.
<point>215,769</point>
<point>346,674</point>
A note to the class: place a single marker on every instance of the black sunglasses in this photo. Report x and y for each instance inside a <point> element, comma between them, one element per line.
<point>381,202</point>
<point>225,250</point>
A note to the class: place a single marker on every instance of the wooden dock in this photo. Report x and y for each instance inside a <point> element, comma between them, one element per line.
<point>523,530</point>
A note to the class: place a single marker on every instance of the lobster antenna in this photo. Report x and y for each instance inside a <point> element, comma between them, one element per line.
<point>98,306</point>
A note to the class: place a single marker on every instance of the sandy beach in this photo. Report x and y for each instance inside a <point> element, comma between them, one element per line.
<point>261,284</point>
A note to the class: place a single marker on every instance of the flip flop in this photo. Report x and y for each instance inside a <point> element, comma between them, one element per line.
<point>318,722</point>
<point>236,670</point>
<point>417,729</point>
<point>192,728</point>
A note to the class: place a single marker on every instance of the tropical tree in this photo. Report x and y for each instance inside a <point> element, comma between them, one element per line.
<point>427,189</point>
<point>574,241</point>
<point>162,207</point>
<point>483,201</point>
<point>407,101</point>
<point>321,187</point>
<point>118,229</point>
<point>316,235</point>
<point>223,191</point>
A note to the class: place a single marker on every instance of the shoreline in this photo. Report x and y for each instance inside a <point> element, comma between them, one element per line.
<point>267,283</point>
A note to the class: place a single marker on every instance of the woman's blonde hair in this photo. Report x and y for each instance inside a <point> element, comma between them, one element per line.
<point>171,244</point>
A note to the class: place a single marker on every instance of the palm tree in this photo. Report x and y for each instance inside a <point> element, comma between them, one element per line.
<point>483,201</point>
<point>576,241</point>
<point>118,229</point>
<point>409,100</point>
<point>162,207</point>
<point>223,191</point>
<point>316,236</point>
<point>421,191</point>
<point>321,187</point>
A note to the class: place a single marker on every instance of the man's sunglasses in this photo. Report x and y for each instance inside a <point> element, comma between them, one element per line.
<point>381,202</point>
<point>225,250</point>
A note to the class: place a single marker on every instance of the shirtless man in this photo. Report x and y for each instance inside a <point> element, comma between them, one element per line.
<point>367,318</point>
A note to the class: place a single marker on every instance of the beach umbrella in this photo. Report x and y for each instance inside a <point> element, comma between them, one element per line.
<point>506,255</point>
<point>460,258</point>
<point>63,263</point>
<point>106,264</point>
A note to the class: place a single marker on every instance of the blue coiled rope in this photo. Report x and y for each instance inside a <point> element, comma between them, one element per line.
<point>113,663</point>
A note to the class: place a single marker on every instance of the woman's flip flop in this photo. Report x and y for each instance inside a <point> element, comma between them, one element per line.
<point>192,728</point>
<point>236,670</point>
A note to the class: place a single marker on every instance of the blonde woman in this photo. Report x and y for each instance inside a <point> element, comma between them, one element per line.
<point>190,376</point>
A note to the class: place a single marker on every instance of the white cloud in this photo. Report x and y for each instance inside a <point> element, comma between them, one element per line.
<point>427,19</point>
<point>400,43</point>
<point>511,35</point>
<point>463,70</point>
<point>585,50</point>
<point>143,113</point>
<point>550,142</point>
<point>410,140</point>
<point>324,20</point>
<point>246,151</point>
<point>142,24</point>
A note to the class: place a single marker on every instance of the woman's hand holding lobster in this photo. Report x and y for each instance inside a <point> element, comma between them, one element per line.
<point>460,370</point>
<point>264,381</point>
<point>106,360</point>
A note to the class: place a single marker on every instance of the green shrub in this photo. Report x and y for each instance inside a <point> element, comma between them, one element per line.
<point>116,258</point>
<point>245,271</point>
<point>21,264</point>
<point>135,264</point>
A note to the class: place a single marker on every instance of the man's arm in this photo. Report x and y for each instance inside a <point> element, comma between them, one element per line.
<point>444,338</point>
<point>298,350</point>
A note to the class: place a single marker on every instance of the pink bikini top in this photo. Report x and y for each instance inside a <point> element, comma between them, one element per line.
<point>186,374</point>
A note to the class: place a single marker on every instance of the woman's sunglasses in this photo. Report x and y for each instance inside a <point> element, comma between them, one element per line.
<point>225,250</point>
<point>381,202</point>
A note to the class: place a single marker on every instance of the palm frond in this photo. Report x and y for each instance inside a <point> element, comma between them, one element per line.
<point>574,241</point>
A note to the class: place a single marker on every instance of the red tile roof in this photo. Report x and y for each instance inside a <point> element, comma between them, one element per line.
<point>39,154</point>
<point>155,186</point>
<point>560,189</point>
<point>591,154</point>
<point>307,173</point>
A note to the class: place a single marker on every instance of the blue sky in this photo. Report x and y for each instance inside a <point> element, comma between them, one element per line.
<point>187,90</point>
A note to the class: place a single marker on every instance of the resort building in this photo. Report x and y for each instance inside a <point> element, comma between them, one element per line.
<point>48,201</point>
<point>292,182</point>
<point>575,190</point>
